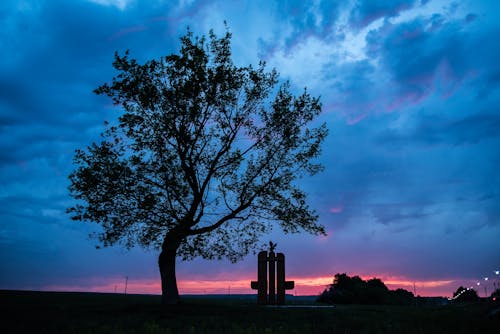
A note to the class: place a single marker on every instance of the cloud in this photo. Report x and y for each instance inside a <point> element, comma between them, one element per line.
<point>308,20</point>
<point>400,213</point>
<point>431,130</point>
<point>365,12</point>
<point>120,4</point>
<point>352,89</point>
<point>337,209</point>
<point>410,94</point>
<point>431,55</point>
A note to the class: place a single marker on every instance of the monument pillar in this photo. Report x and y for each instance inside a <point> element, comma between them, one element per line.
<point>262,278</point>
<point>280,279</point>
<point>274,278</point>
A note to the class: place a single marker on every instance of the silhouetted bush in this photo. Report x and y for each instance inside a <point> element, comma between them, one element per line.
<point>402,297</point>
<point>465,295</point>
<point>354,290</point>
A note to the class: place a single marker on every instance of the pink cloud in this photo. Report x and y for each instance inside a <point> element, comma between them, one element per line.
<point>408,98</point>
<point>353,112</point>
<point>127,31</point>
<point>337,209</point>
<point>356,119</point>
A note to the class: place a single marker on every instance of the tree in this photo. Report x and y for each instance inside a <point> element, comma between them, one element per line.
<point>402,297</point>
<point>354,290</point>
<point>495,295</point>
<point>465,295</point>
<point>376,292</point>
<point>203,159</point>
<point>344,290</point>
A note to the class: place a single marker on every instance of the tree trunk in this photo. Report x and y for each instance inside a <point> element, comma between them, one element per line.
<point>166,262</point>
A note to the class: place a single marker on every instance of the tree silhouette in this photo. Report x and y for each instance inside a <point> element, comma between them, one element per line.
<point>495,295</point>
<point>354,290</point>
<point>202,159</point>
<point>465,295</point>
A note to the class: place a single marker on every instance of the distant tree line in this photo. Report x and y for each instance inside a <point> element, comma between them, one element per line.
<point>354,290</point>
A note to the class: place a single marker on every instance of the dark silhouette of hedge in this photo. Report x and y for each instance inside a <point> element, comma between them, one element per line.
<point>354,290</point>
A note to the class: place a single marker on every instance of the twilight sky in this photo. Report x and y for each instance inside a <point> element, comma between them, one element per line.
<point>410,93</point>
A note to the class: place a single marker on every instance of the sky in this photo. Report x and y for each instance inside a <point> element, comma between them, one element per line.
<point>410,93</point>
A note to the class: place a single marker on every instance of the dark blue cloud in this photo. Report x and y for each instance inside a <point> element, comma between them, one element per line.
<point>305,20</point>
<point>365,12</point>
<point>49,72</point>
<point>438,130</point>
<point>54,55</point>
<point>424,55</point>
<point>400,213</point>
<point>353,84</point>
<point>414,54</point>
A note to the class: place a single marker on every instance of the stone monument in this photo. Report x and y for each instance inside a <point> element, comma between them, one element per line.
<point>276,279</point>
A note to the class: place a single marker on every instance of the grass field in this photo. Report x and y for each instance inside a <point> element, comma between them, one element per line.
<point>53,312</point>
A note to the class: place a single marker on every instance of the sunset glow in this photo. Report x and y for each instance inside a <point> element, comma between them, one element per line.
<point>304,286</point>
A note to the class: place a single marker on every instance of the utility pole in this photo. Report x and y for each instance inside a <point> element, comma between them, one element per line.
<point>126,283</point>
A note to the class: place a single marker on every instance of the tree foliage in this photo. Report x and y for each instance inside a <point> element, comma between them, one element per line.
<point>495,295</point>
<point>462,295</point>
<point>354,290</point>
<point>204,153</point>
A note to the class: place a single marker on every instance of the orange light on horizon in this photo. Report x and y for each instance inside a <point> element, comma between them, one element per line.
<point>303,285</point>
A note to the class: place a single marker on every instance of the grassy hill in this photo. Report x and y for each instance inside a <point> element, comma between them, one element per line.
<point>58,312</point>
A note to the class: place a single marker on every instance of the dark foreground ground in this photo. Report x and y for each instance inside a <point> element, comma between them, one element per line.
<point>52,312</point>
